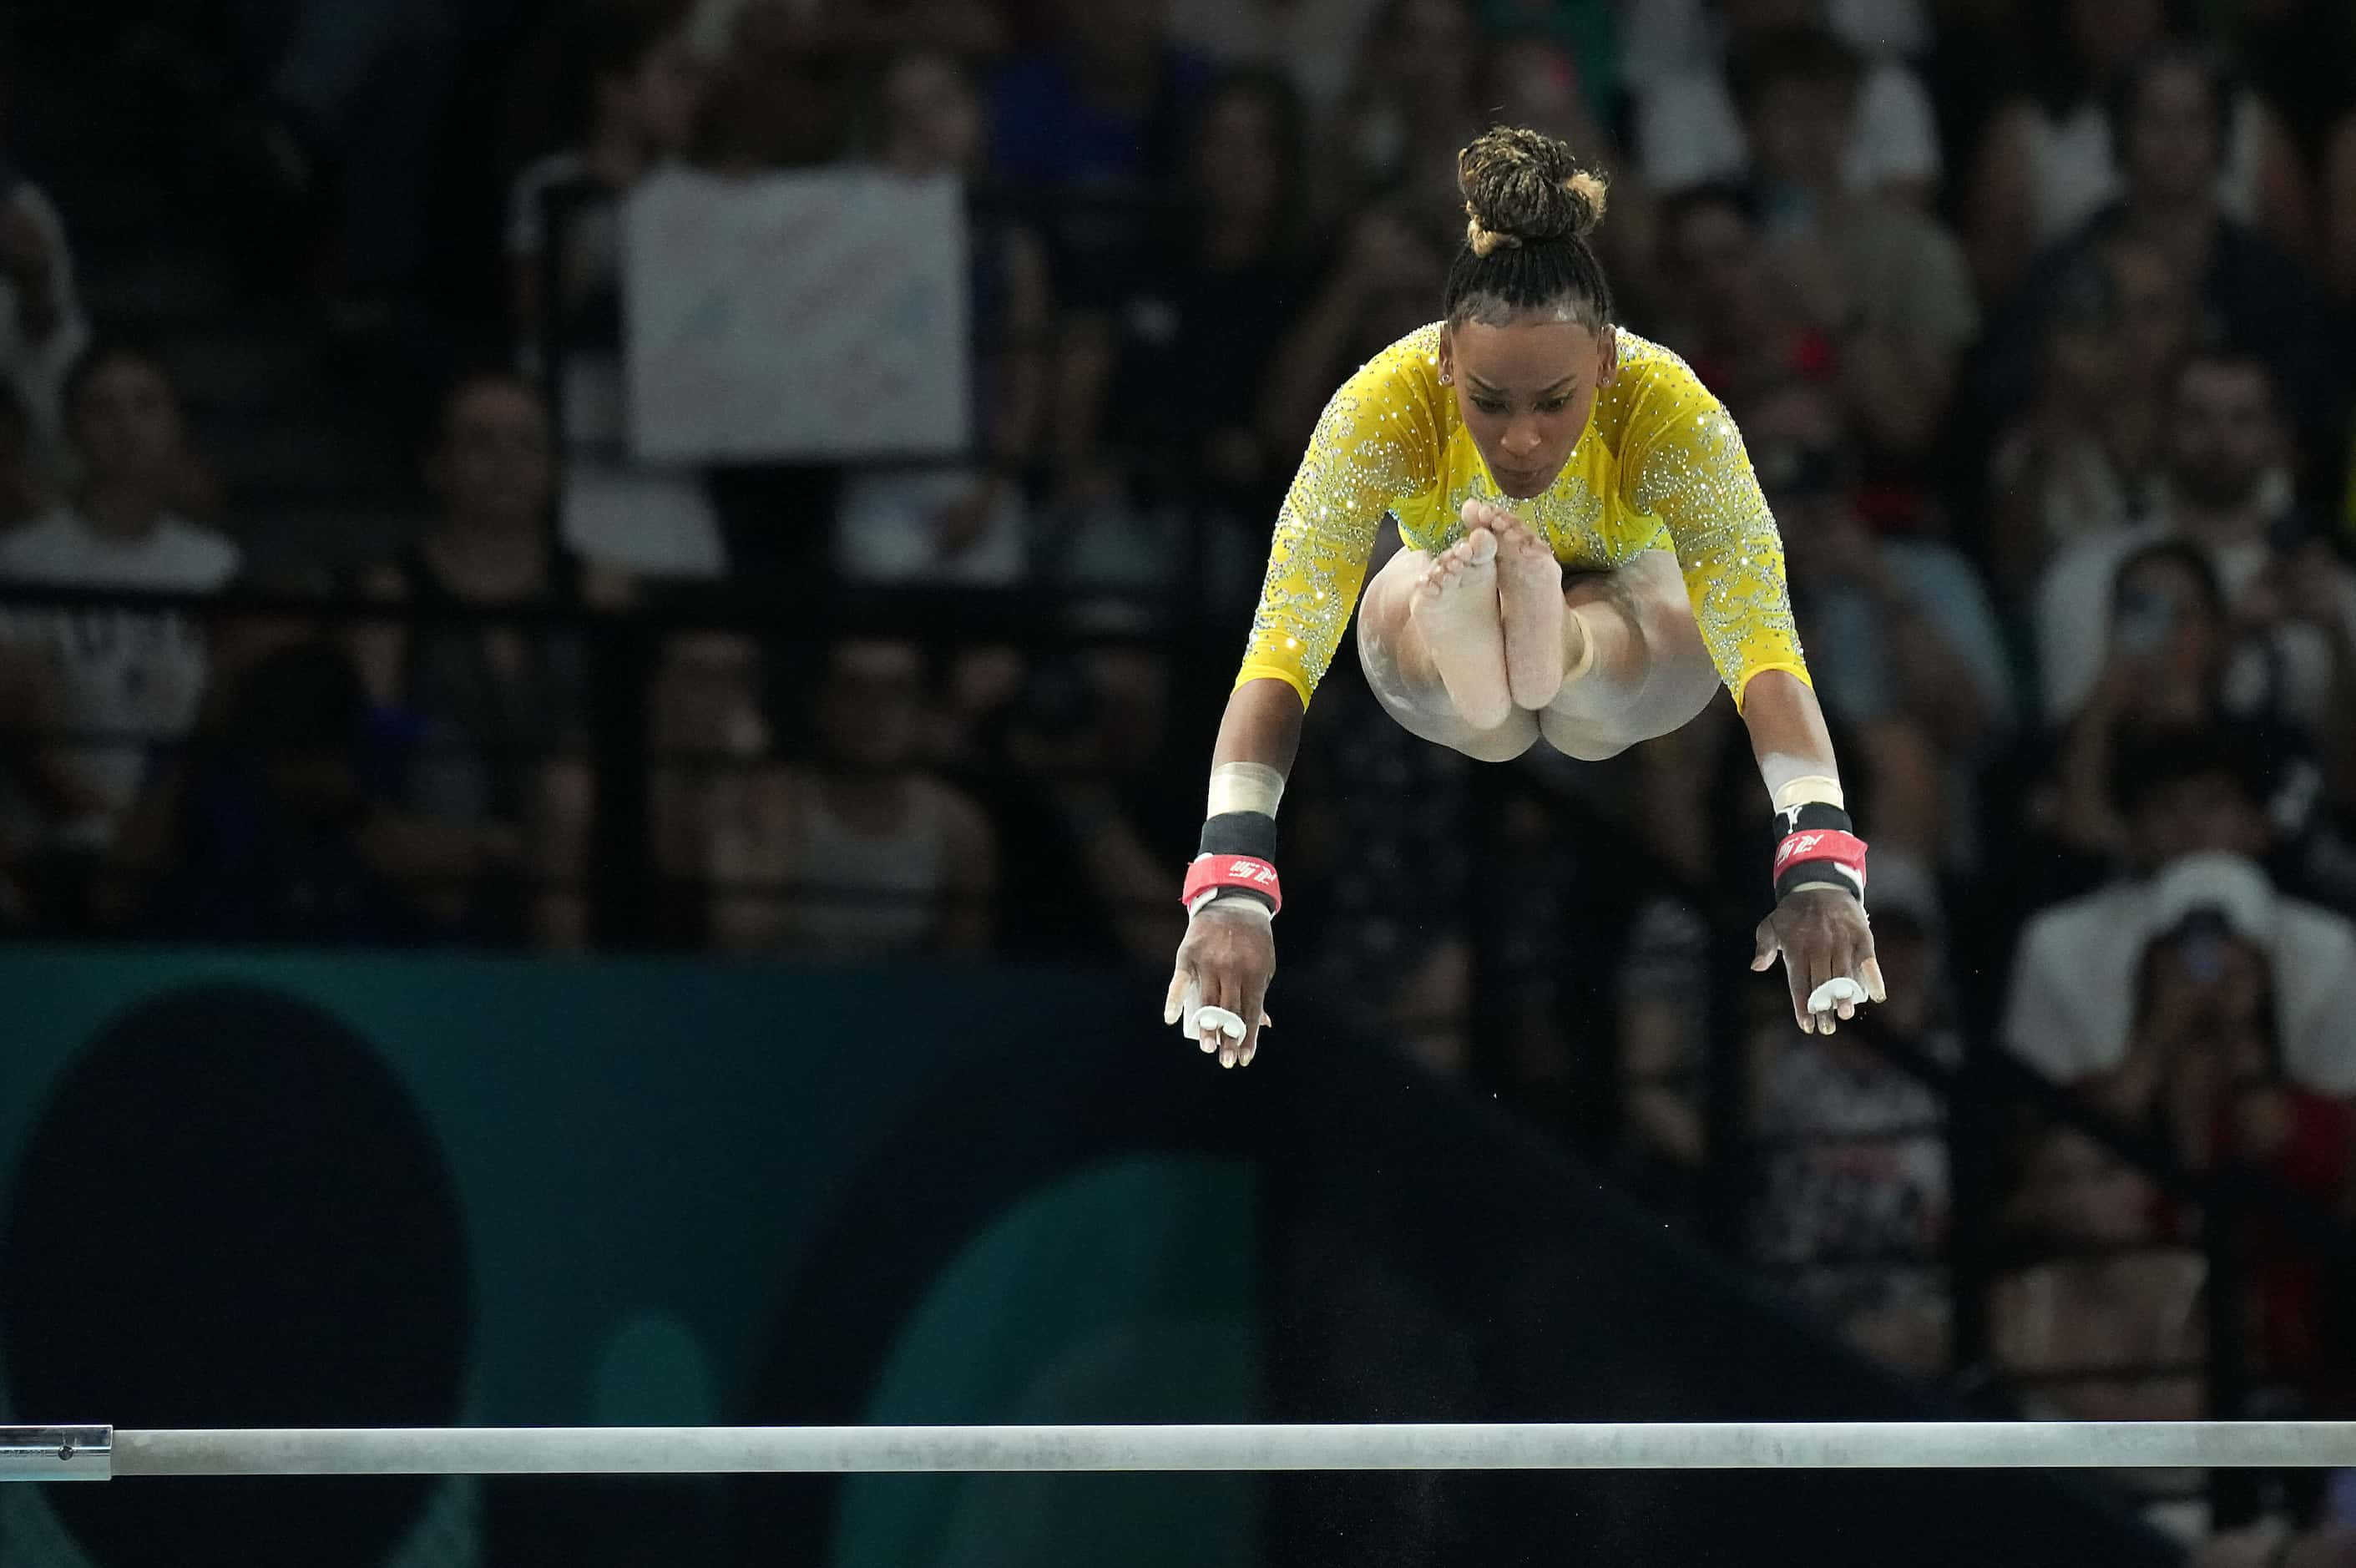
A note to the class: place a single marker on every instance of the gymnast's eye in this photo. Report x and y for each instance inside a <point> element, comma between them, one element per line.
<point>1489,405</point>
<point>1556,405</point>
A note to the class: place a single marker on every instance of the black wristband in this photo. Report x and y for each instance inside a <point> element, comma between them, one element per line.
<point>1240,832</point>
<point>1814,816</point>
<point>1252,833</point>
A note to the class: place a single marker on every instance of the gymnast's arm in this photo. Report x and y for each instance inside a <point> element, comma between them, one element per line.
<point>1687,467</point>
<point>1262,724</point>
<point>1374,443</point>
<point>1228,955</point>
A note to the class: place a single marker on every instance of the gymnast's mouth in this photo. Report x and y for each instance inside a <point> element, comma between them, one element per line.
<point>1521,483</point>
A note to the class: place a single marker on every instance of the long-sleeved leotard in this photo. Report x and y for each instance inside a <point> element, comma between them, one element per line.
<point>1660,466</point>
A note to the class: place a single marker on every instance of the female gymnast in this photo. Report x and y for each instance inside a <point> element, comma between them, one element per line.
<point>1586,555</point>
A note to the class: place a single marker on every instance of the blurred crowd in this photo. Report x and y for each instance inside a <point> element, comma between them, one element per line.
<point>2037,319</point>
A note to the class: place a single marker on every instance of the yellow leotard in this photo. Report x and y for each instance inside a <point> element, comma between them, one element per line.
<point>1660,466</point>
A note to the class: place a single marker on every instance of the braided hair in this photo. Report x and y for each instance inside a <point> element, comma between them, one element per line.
<point>1529,209</point>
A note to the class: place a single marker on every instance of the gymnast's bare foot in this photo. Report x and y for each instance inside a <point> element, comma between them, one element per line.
<point>1530,606</point>
<point>1455,611</point>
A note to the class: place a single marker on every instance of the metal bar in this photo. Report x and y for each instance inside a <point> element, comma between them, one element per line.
<point>1930,1445</point>
<point>56,1453</point>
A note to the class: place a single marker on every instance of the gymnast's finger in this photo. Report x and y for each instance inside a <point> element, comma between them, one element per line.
<point>1222,1020</point>
<point>1173,1005</point>
<point>1256,1007</point>
<point>1869,971</point>
<point>1820,969</point>
<point>1797,981</point>
<point>1765,945</point>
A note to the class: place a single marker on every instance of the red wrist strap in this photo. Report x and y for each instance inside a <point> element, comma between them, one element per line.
<point>1829,854</point>
<point>1210,871</point>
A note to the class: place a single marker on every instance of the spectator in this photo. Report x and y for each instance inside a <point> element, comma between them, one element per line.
<point>278,825</point>
<point>1084,780</point>
<point>1536,77</point>
<point>1688,131</point>
<point>2083,461</point>
<point>1665,37</point>
<point>2251,292</point>
<point>2205,1070</point>
<point>1899,628</point>
<point>2227,495</point>
<point>2165,670</point>
<point>862,853</point>
<point>1410,107</point>
<point>42,330</point>
<point>1581,37</point>
<point>501,714</point>
<point>1857,1187</point>
<point>1100,115</point>
<point>778,97</point>
<point>966,525</point>
<point>2187,799</point>
<point>2051,161</point>
<point>1377,289</point>
<point>126,679</point>
<point>709,727</point>
<point>1887,285</point>
<point>1314,42</point>
<point>565,253</point>
<point>2101,1289</point>
<point>1734,324</point>
<point>1149,397</point>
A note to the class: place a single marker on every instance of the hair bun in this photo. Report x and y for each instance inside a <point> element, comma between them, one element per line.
<point>1522,186</point>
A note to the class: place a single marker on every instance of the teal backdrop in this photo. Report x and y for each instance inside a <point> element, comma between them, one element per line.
<point>646,1153</point>
<point>297,1188</point>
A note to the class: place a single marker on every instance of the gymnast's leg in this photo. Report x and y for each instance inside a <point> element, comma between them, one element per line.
<point>1635,665</point>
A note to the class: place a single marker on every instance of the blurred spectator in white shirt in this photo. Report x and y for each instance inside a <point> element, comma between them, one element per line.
<point>2194,827</point>
<point>862,854</point>
<point>126,678</point>
<point>2049,160</point>
<point>1689,132</point>
<point>2227,494</point>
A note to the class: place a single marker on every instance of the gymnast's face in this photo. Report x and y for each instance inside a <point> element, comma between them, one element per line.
<point>1525,389</point>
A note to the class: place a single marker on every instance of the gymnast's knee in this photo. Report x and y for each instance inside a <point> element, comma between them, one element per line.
<point>1503,744</point>
<point>1583,742</point>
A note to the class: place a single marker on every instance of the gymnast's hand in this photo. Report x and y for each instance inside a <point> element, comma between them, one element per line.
<point>1225,965</point>
<point>1827,952</point>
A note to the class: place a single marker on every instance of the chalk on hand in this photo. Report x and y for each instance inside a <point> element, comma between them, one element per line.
<point>1209,1019</point>
<point>1835,991</point>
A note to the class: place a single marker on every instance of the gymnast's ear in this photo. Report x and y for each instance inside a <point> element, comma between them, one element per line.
<point>1608,351</point>
<point>1446,359</point>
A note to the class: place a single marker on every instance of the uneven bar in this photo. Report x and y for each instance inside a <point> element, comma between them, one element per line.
<point>57,1453</point>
